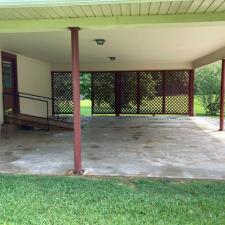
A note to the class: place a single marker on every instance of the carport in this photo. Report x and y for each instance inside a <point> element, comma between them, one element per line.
<point>147,40</point>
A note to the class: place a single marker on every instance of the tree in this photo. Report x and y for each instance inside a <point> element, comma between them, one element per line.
<point>104,89</point>
<point>207,87</point>
<point>85,85</point>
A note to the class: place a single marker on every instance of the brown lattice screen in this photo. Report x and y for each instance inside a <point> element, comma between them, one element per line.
<point>151,92</point>
<point>177,92</point>
<point>103,93</point>
<point>128,92</point>
<point>145,92</point>
<point>62,93</point>
<point>132,92</point>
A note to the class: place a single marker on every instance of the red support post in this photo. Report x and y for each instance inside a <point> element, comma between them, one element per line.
<point>222,95</point>
<point>138,92</point>
<point>164,92</point>
<point>117,93</point>
<point>191,93</point>
<point>76,99</point>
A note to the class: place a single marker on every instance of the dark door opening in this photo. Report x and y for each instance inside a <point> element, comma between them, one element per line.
<point>10,84</point>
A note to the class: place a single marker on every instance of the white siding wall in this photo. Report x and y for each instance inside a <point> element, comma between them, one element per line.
<point>34,77</point>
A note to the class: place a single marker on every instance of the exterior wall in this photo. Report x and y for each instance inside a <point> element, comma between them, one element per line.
<point>113,66</point>
<point>34,77</point>
<point>1,103</point>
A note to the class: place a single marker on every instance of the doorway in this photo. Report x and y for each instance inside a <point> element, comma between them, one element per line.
<point>10,83</point>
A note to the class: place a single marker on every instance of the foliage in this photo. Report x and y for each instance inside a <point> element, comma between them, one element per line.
<point>105,87</point>
<point>207,87</point>
<point>85,85</point>
<point>63,83</point>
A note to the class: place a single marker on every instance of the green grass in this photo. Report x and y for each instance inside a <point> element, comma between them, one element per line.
<point>29,200</point>
<point>85,107</point>
<point>199,110</point>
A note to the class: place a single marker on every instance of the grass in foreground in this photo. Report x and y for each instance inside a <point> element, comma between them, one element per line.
<point>27,200</point>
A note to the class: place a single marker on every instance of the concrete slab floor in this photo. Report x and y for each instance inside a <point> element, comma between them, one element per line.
<point>181,147</point>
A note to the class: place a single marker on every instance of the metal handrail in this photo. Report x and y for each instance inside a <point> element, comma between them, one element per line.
<point>38,96</point>
<point>32,98</point>
<point>44,97</point>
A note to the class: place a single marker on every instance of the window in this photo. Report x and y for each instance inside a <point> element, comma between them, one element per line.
<point>7,74</point>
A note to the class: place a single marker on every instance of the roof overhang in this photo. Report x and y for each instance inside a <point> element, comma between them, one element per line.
<point>42,3</point>
<point>28,16</point>
<point>13,26</point>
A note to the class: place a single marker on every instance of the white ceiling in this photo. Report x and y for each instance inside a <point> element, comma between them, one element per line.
<point>87,8</point>
<point>171,44</point>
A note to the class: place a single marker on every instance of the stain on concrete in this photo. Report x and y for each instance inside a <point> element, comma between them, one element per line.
<point>93,158</point>
<point>148,146</point>
<point>95,146</point>
<point>135,137</point>
<point>8,157</point>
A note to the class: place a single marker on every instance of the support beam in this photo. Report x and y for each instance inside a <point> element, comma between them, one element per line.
<point>191,93</point>
<point>118,92</point>
<point>1,96</point>
<point>222,96</point>
<point>164,92</point>
<point>138,92</point>
<point>76,100</point>
<point>210,58</point>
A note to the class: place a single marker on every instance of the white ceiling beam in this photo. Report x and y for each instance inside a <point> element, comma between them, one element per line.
<point>210,58</point>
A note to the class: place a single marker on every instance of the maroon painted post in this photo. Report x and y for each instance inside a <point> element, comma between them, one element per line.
<point>164,92</point>
<point>76,99</point>
<point>138,92</point>
<point>117,95</point>
<point>222,95</point>
<point>191,93</point>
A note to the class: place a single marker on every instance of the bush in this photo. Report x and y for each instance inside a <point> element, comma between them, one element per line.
<point>207,87</point>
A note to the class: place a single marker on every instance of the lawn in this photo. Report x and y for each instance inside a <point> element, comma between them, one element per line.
<point>199,110</point>
<point>85,107</point>
<point>29,200</point>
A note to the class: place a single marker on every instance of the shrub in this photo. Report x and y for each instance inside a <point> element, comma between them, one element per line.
<point>207,87</point>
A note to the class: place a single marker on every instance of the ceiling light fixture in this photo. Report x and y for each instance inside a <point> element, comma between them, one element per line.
<point>100,41</point>
<point>112,58</point>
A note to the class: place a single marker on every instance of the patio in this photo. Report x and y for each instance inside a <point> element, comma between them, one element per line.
<point>161,146</point>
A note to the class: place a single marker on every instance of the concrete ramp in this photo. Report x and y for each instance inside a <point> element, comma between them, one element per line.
<point>37,122</point>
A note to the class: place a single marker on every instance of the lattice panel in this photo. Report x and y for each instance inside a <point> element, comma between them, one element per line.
<point>62,93</point>
<point>103,93</point>
<point>128,92</point>
<point>151,92</point>
<point>177,92</point>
